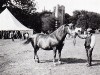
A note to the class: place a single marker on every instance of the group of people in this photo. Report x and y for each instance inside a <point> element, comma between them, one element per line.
<point>13,35</point>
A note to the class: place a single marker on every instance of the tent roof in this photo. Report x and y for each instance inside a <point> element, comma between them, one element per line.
<point>9,22</point>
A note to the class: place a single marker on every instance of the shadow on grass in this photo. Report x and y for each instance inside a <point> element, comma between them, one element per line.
<point>73,60</point>
<point>47,61</point>
<point>96,62</point>
<point>67,60</point>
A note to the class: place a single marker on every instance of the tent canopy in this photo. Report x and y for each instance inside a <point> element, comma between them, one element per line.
<point>9,22</point>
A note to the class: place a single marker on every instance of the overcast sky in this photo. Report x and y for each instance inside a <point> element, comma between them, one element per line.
<point>70,5</point>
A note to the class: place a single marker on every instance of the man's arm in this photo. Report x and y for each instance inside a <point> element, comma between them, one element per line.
<point>92,41</point>
<point>82,36</point>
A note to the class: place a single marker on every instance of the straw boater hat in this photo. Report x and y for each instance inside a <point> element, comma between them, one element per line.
<point>89,30</point>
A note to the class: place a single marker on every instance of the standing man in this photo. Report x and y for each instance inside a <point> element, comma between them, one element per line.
<point>89,44</point>
<point>12,35</point>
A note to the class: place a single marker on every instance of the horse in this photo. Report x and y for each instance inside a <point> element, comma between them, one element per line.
<point>53,41</point>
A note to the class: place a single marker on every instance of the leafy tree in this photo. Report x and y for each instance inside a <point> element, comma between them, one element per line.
<point>2,2</point>
<point>67,18</point>
<point>94,20</point>
<point>48,22</point>
<point>26,5</point>
<point>86,19</point>
<point>36,22</point>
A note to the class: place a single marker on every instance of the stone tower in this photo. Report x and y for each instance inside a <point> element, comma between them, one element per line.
<point>59,13</point>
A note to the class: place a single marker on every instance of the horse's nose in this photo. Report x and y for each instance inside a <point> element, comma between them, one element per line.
<point>73,35</point>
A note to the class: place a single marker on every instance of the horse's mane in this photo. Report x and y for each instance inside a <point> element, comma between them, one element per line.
<point>58,30</point>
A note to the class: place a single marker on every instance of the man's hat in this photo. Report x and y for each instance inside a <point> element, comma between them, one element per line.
<point>90,30</point>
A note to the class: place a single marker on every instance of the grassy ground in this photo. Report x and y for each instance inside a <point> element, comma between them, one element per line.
<point>17,59</point>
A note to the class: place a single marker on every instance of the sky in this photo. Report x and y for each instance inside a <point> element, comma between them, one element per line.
<point>70,5</point>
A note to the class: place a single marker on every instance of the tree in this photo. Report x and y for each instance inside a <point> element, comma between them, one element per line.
<point>94,20</point>
<point>85,19</point>
<point>36,22</point>
<point>48,22</point>
<point>27,5</point>
<point>67,18</point>
<point>2,2</point>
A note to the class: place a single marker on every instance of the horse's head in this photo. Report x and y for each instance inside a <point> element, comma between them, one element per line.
<point>72,32</point>
<point>64,29</point>
<point>69,29</point>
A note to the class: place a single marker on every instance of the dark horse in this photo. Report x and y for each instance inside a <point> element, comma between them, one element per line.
<point>53,41</point>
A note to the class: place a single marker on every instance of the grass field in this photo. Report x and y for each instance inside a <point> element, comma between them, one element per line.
<point>17,59</point>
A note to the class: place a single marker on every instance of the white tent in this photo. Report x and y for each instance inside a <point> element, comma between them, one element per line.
<point>9,22</point>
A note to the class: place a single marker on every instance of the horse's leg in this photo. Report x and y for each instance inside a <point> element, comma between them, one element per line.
<point>60,46</point>
<point>54,55</point>
<point>35,54</point>
<point>59,59</point>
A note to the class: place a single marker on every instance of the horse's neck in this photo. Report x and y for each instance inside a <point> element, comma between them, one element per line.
<point>63,38</point>
<point>54,33</point>
<point>69,31</point>
<point>60,36</point>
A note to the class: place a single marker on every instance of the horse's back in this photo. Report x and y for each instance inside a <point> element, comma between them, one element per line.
<point>32,36</point>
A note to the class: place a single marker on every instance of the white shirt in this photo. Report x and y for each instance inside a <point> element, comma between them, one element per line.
<point>92,44</point>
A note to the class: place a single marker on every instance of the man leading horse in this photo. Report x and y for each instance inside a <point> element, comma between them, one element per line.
<point>89,44</point>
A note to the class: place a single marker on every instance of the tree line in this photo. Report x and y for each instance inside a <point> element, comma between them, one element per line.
<point>86,19</point>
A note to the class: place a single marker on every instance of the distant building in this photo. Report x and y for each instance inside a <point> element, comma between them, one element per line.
<point>59,13</point>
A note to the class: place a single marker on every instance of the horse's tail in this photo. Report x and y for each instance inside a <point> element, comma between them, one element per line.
<point>27,41</point>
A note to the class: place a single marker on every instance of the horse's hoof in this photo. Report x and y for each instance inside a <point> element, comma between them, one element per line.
<point>88,65</point>
<point>59,62</point>
<point>55,64</point>
<point>38,61</point>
